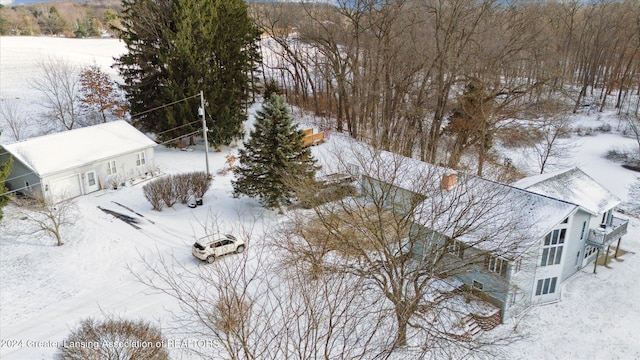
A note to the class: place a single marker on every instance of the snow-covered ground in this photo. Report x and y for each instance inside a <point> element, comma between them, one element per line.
<point>46,290</point>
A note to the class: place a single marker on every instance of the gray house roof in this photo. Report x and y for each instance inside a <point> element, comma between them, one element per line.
<point>572,185</point>
<point>54,153</point>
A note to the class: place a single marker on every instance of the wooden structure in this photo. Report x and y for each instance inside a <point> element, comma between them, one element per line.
<point>311,139</point>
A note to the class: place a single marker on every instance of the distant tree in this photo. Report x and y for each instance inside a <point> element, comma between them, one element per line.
<point>120,339</point>
<point>469,120</point>
<point>59,82</point>
<point>181,47</point>
<point>5,169</point>
<point>52,23</point>
<point>634,127</point>
<point>553,145</point>
<point>100,95</point>
<point>14,118</point>
<point>272,156</point>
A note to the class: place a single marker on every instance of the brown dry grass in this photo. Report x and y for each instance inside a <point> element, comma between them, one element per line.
<point>353,233</point>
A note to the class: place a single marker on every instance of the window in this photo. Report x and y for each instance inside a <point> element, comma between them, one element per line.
<point>584,227</point>
<point>478,285</point>
<point>91,178</point>
<point>140,159</point>
<point>546,286</point>
<point>455,248</point>
<point>514,297</point>
<point>111,167</point>
<point>517,266</point>
<point>589,250</point>
<point>552,250</point>
<point>497,265</point>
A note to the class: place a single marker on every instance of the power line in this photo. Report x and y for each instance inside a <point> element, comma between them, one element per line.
<point>16,190</point>
<point>179,137</point>
<point>177,127</point>
<point>165,105</point>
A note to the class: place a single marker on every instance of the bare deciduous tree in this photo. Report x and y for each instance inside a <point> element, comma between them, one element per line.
<point>14,118</point>
<point>396,241</point>
<point>255,307</point>
<point>48,217</point>
<point>114,339</point>
<point>554,143</point>
<point>59,83</point>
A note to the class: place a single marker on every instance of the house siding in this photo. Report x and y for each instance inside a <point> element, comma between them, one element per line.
<point>398,199</point>
<point>576,244</point>
<point>521,284</point>
<point>126,170</point>
<point>20,174</point>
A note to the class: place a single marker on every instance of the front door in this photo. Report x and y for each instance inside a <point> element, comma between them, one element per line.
<point>92,182</point>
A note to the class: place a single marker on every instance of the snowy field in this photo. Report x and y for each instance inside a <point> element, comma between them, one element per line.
<point>46,290</point>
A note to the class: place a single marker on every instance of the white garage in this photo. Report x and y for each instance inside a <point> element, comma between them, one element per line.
<point>78,162</point>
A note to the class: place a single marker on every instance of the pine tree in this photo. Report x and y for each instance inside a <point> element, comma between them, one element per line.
<point>272,156</point>
<point>5,169</point>
<point>177,48</point>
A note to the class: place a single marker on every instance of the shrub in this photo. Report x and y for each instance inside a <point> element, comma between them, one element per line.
<point>200,183</point>
<point>115,339</point>
<point>153,193</point>
<point>169,190</point>
<point>182,187</point>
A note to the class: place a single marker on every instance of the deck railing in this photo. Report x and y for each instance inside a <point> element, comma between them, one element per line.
<point>610,233</point>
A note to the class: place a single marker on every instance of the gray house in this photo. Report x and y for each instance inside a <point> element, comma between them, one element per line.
<point>80,161</point>
<point>512,244</point>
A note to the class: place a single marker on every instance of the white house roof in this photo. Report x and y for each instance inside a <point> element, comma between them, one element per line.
<point>61,151</point>
<point>485,214</point>
<point>572,185</point>
<point>492,216</point>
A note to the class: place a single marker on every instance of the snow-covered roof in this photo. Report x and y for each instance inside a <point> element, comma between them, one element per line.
<point>61,151</point>
<point>492,216</point>
<point>485,214</point>
<point>572,185</point>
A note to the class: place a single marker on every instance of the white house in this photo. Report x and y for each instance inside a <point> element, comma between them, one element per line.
<point>80,161</point>
<point>513,244</point>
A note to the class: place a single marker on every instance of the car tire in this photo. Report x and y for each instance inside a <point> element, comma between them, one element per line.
<point>240,249</point>
<point>211,259</point>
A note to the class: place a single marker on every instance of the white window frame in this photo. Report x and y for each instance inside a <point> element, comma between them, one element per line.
<point>517,265</point>
<point>546,286</point>
<point>589,250</point>
<point>552,247</point>
<point>477,285</point>
<point>454,247</point>
<point>111,167</point>
<point>498,265</point>
<point>141,159</point>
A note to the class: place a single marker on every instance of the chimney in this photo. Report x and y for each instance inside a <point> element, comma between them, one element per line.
<point>448,181</point>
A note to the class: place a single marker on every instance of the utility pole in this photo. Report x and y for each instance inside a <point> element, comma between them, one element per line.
<point>204,131</point>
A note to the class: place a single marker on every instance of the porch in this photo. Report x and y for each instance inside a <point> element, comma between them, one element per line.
<point>606,234</point>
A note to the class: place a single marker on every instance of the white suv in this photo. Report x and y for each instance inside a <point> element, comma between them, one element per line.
<point>208,248</point>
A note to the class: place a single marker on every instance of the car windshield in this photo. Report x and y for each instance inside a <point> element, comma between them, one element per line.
<point>198,246</point>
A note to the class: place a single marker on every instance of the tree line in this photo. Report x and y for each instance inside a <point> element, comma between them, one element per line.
<point>437,78</point>
<point>69,19</point>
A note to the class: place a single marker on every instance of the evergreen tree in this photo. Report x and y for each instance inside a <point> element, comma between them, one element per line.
<point>5,169</point>
<point>273,155</point>
<point>177,48</point>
